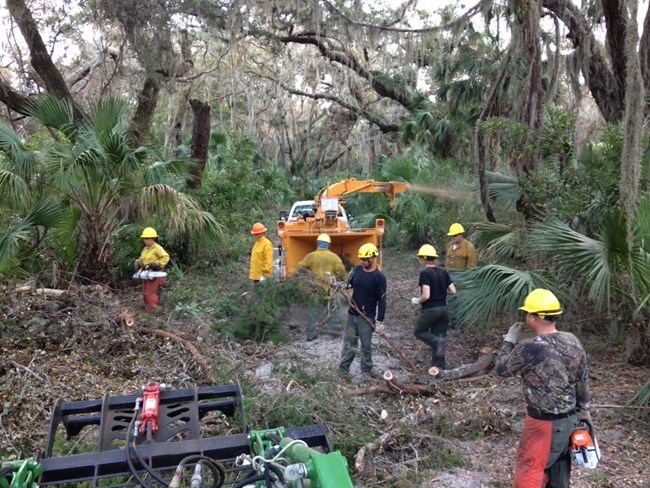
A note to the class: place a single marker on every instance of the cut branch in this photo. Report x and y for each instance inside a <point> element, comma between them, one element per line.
<point>482,365</point>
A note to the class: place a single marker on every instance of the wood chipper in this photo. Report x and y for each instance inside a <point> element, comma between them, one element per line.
<point>326,214</point>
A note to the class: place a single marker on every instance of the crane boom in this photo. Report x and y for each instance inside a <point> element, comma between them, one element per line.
<point>345,187</point>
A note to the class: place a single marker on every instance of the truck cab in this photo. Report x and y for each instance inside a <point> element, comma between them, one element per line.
<point>307,209</point>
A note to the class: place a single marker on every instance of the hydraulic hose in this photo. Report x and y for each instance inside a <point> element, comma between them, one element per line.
<point>218,473</point>
<point>129,435</point>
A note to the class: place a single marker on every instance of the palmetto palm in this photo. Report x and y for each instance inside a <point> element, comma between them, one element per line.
<point>101,182</point>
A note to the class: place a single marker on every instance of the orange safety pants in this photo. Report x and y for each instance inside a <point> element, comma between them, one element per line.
<point>543,459</point>
<point>150,292</point>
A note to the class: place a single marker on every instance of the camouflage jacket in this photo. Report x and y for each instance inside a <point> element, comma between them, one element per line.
<point>553,370</point>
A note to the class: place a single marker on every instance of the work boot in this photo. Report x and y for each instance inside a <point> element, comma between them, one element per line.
<point>311,338</point>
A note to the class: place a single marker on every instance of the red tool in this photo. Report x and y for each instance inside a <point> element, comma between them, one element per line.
<point>150,407</point>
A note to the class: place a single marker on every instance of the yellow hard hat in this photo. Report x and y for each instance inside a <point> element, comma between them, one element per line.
<point>258,228</point>
<point>368,251</point>
<point>428,250</point>
<point>324,238</point>
<point>149,233</point>
<point>542,302</point>
<point>455,229</point>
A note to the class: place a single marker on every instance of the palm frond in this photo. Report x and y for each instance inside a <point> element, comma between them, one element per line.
<point>10,241</point>
<point>106,116</point>
<point>184,213</point>
<point>641,397</point>
<point>499,241</point>
<point>13,188</point>
<point>502,188</point>
<point>47,213</point>
<point>485,293</point>
<point>20,160</point>
<point>588,260</point>
<point>55,113</point>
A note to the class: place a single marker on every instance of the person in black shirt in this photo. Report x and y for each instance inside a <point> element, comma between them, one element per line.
<point>433,320</point>
<point>369,296</point>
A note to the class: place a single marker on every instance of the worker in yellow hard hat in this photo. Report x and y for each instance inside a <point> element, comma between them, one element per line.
<point>432,323</point>
<point>327,268</point>
<point>368,304</point>
<point>153,258</point>
<point>461,253</point>
<point>261,265</point>
<point>553,369</point>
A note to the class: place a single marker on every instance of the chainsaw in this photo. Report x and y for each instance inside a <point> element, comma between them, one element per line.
<point>584,446</point>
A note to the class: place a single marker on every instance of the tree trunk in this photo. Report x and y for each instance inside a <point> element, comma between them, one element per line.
<point>632,155</point>
<point>596,70</point>
<point>200,140</point>
<point>529,13</point>
<point>40,57</point>
<point>143,118</point>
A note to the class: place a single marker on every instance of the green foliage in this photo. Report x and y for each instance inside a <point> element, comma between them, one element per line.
<point>98,181</point>
<point>489,292</point>
<point>239,193</point>
<point>642,397</point>
<point>261,318</point>
<point>501,242</point>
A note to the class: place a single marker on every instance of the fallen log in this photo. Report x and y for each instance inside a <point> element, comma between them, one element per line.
<point>51,292</point>
<point>482,365</point>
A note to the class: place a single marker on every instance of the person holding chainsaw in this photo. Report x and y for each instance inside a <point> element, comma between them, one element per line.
<point>553,370</point>
<point>261,265</point>
<point>152,258</point>
<point>366,312</point>
<point>327,269</point>
<point>433,319</point>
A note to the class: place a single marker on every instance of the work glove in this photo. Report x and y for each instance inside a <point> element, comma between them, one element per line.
<point>380,328</point>
<point>262,279</point>
<point>154,267</point>
<point>513,333</point>
<point>585,417</point>
<point>415,300</point>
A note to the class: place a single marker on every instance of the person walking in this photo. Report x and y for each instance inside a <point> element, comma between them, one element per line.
<point>461,254</point>
<point>553,370</point>
<point>432,322</point>
<point>326,268</point>
<point>152,258</point>
<point>368,285</point>
<point>261,264</point>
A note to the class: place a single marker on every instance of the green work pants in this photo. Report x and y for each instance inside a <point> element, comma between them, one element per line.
<point>356,330</point>
<point>331,307</point>
<point>431,328</point>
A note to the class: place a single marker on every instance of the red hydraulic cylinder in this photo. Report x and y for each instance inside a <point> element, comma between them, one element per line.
<point>150,407</point>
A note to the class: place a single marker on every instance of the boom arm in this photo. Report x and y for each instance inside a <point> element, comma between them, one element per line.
<point>345,187</point>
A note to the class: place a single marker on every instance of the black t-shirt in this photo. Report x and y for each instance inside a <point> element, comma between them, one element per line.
<point>369,293</point>
<point>438,280</point>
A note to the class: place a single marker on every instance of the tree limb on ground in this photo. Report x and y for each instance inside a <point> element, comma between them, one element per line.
<point>482,365</point>
<point>205,366</point>
<point>51,292</point>
<point>392,386</point>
